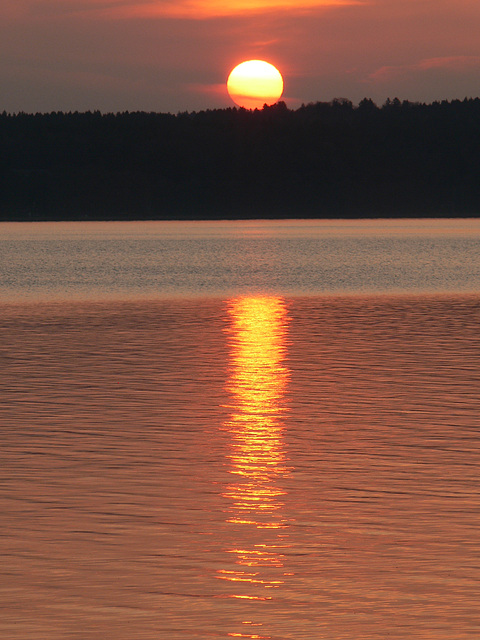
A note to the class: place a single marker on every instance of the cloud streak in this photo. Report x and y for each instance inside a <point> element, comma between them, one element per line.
<point>175,9</point>
<point>204,9</point>
<point>449,63</point>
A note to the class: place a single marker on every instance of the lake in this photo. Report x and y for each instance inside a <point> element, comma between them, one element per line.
<point>263,430</point>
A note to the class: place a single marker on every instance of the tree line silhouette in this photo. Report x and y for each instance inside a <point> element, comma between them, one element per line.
<point>321,160</point>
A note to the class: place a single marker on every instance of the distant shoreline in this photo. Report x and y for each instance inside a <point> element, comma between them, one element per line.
<point>298,219</point>
<point>220,218</point>
<point>322,161</point>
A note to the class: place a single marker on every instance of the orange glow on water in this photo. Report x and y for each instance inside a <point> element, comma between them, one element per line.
<point>257,387</point>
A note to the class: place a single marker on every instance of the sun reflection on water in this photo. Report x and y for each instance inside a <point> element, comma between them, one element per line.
<point>257,460</point>
<point>257,387</point>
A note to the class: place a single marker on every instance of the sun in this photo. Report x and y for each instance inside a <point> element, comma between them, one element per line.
<point>254,83</point>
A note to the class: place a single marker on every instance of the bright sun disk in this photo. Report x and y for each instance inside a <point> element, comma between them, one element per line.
<point>254,83</point>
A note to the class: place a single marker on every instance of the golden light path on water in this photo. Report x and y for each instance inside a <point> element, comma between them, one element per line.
<point>257,386</point>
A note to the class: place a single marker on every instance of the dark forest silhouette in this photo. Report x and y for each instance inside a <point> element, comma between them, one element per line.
<point>321,160</point>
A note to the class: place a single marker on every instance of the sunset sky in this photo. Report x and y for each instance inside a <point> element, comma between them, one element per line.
<point>175,55</point>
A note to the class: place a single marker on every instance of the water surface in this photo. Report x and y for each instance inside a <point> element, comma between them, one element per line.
<point>242,464</point>
<point>141,260</point>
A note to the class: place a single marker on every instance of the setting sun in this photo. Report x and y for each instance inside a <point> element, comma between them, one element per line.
<point>254,83</point>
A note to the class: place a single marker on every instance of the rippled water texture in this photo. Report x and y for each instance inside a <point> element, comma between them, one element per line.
<point>251,463</point>
<point>254,467</point>
<point>114,260</point>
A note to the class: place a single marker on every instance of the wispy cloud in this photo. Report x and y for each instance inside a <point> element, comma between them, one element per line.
<point>450,63</point>
<point>217,8</point>
<point>177,9</point>
<point>457,63</point>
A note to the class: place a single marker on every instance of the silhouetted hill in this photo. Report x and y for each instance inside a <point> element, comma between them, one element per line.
<point>321,160</point>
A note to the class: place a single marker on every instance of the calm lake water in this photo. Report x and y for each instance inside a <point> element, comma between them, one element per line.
<point>240,430</point>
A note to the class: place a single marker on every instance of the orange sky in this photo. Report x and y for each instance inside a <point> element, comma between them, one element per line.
<point>169,55</point>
